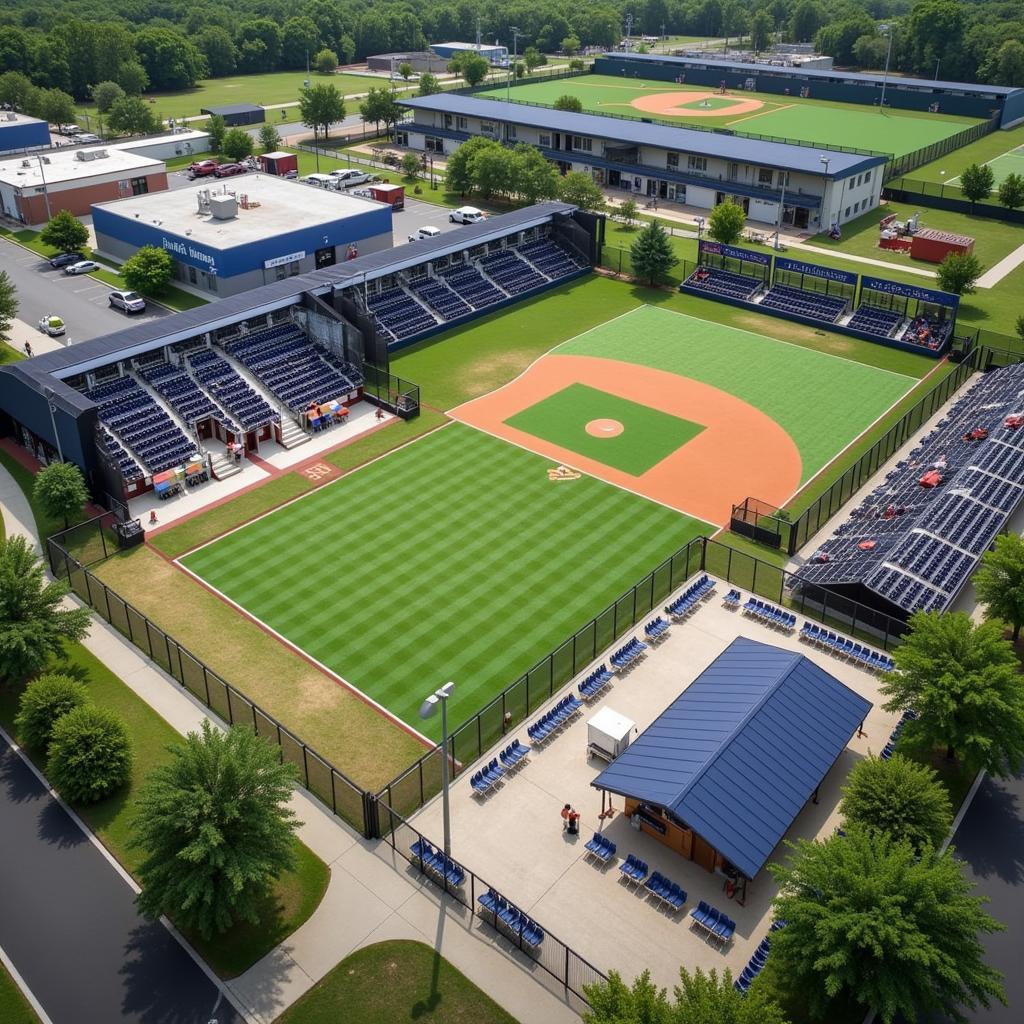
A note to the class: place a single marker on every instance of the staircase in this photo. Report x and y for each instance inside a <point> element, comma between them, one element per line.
<point>223,467</point>
<point>292,435</point>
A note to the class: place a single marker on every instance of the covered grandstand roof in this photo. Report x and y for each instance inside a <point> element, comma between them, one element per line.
<point>742,749</point>
<point>781,155</point>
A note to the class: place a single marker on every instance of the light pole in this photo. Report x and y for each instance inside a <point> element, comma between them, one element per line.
<point>887,29</point>
<point>53,422</point>
<point>826,160</point>
<point>782,208</point>
<point>512,67</point>
<point>46,191</point>
<point>427,709</point>
<point>699,221</point>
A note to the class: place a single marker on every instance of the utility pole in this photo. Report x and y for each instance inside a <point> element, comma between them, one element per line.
<point>629,27</point>
<point>516,33</point>
<point>46,193</point>
<point>888,30</point>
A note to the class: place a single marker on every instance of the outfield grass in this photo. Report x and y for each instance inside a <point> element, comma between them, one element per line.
<point>395,981</point>
<point>472,565</point>
<point>987,148</point>
<point>824,123</point>
<point>14,1009</point>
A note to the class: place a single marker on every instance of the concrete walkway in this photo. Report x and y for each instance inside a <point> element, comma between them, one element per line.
<point>1007,265</point>
<point>368,900</point>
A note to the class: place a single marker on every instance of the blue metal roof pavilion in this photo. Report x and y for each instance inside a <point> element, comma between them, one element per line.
<point>742,749</point>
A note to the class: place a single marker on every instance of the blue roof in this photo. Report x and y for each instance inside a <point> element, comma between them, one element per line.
<point>742,749</point>
<point>781,155</point>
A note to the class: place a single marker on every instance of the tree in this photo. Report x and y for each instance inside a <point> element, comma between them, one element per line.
<point>868,921</point>
<point>42,703</point>
<point>804,22</point>
<point>869,50</point>
<point>580,189</point>
<point>60,491</point>
<point>411,166</point>
<point>570,46</point>
<point>405,70</point>
<point>459,174</point>
<point>132,116</point>
<point>300,39</point>
<point>217,46</point>
<point>269,138</point>
<point>17,90</point>
<point>8,303</point>
<point>958,272</point>
<point>471,66</point>
<point>259,45</point>
<point>900,797</point>
<point>576,64</point>
<point>1011,191</point>
<point>1018,326</point>
<point>64,232</point>
<point>90,754</point>
<point>999,581</point>
<point>534,178</point>
<point>569,102</point>
<point>629,212</point>
<point>320,106</point>
<point>326,62</point>
<point>149,271</point>
<point>976,182</point>
<point>55,106</point>
<point>726,222</point>
<point>105,95</point>
<point>216,128</point>
<point>533,58</point>
<point>237,144</point>
<point>132,78</point>
<point>170,59</point>
<point>380,106</point>
<point>33,625</point>
<point>652,255</point>
<point>962,681</point>
<point>215,828</point>
<point>760,31</point>
<point>492,172</point>
<point>429,84</point>
<point>1006,66</point>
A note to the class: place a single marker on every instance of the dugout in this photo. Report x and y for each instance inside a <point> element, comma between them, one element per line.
<point>814,280</point>
<point>733,260</point>
<point>931,313</point>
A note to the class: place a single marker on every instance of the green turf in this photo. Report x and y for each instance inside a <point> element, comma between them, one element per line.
<point>1002,166</point>
<point>988,147</point>
<point>14,1008</point>
<point>782,117</point>
<point>649,435</point>
<point>452,558</point>
<point>822,402</point>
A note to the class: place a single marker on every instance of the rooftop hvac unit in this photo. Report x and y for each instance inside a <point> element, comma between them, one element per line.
<point>26,163</point>
<point>10,115</point>
<point>223,207</point>
<point>91,154</point>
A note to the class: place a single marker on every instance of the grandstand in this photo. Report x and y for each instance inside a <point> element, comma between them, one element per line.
<point>912,543</point>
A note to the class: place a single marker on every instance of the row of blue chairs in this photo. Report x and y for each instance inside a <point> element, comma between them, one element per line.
<point>514,755</point>
<point>656,629</point>
<point>508,914</point>
<point>691,597</point>
<point>628,655</point>
<point>825,638</point>
<point>666,891</point>
<point>487,777</point>
<point>718,925</point>
<point>733,599</point>
<point>754,965</point>
<point>890,748</point>
<point>600,848</point>
<point>633,870</point>
<point>769,614</point>
<point>553,720</point>
<point>435,862</point>
<point>596,681</point>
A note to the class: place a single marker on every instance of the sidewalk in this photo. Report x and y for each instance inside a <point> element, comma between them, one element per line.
<point>368,900</point>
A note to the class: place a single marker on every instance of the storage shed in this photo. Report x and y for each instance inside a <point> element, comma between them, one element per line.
<point>934,246</point>
<point>236,114</point>
<point>722,773</point>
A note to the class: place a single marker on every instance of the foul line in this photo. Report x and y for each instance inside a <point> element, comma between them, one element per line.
<point>760,113</point>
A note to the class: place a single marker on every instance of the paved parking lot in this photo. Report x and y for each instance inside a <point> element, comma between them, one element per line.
<point>418,214</point>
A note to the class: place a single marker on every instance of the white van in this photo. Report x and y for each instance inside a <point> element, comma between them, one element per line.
<point>321,181</point>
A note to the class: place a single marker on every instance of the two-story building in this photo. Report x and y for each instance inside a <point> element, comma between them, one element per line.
<point>816,188</point>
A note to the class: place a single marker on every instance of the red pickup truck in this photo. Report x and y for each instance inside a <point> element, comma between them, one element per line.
<point>202,168</point>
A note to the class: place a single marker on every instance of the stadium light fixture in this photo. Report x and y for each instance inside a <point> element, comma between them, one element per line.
<point>427,709</point>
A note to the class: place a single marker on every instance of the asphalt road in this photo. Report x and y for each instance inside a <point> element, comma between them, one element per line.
<point>70,927</point>
<point>81,301</point>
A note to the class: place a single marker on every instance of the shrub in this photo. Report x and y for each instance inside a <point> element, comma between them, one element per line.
<point>43,702</point>
<point>90,754</point>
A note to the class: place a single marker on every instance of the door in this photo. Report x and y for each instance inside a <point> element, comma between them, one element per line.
<point>703,853</point>
<point>663,190</point>
<point>800,217</point>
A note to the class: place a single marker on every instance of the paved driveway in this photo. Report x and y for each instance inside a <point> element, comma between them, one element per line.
<point>70,927</point>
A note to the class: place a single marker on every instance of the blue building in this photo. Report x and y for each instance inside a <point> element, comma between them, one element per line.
<point>495,54</point>
<point>229,235</point>
<point>17,131</point>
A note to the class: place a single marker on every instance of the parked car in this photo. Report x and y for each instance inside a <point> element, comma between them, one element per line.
<point>130,302</point>
<point>227,170</point>
<point>424,232</point>
<point>82,267</point>
<point>65,259</point>
<point>349,177</point>
<point>466,215</point>
<point>52,325</point>
<point>68,129</point>
<point>87,137</point>
<point>202,168</point>
<point>321,181</point>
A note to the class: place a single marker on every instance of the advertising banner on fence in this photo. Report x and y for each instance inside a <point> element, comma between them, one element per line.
<point>707,248</point>
<point>910,291</point>
<point>813,270</point>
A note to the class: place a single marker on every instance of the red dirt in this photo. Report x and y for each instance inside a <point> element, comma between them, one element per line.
<point>741,451</point>
<point>670,104</point>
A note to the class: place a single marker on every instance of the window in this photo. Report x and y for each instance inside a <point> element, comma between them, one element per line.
<point>511,131</point>
<point>191,275</point>
<point>764,176</point>
<point>582,143</point>
<point>697,163</point>
<point>488,128</point>
<point>324,257</point>
<point>462,123</point>
<point>544,141</point>
<point>856,206</point>
<point>401,138</point>
<point>672,161</point>
<point>432,144</point>
<point>294,269</point>
<point>783,179</point>
<point>867,177</point>
<point>847,213</point>
<point>140,186</point>
<point>447,120</point>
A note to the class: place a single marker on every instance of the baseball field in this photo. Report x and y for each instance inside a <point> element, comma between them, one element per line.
<point>820,122</point>
<point>470,553</point>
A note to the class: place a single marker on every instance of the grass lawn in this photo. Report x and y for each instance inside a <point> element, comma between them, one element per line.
<point>985,149</point>
<point>470,547</point>
<point>13,1007</point>
<point>391,982</point>
<point>9,354</point>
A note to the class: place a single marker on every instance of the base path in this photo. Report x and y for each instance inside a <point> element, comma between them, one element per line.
<point>741,450</point>
<point>687,104</point>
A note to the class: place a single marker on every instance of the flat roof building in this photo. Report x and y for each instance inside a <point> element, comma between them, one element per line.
<point>419,60</point>
<point>495,54</point>
<point>19,131</point>
<point>236,114</point>
<point>229,236</point>
<point>35,186</point>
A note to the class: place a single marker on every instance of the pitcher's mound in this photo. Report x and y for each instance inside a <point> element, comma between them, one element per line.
<point>604,428</point>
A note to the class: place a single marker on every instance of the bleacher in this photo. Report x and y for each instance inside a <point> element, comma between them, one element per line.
<point>130,469</point>
<point>725,282</point>
<point>436,294</point>
<point>875,320</point>
<point>398,314</point>
<point>509,270</point>
<point>915,545</point>
<point>927,333</point>
<point>131,414</point>
<point>799,302</point>
<point>293,370</point>
<point>550,259</point>
<point>220,379</point>
<point>466,281</point>
<point>184,396</point>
